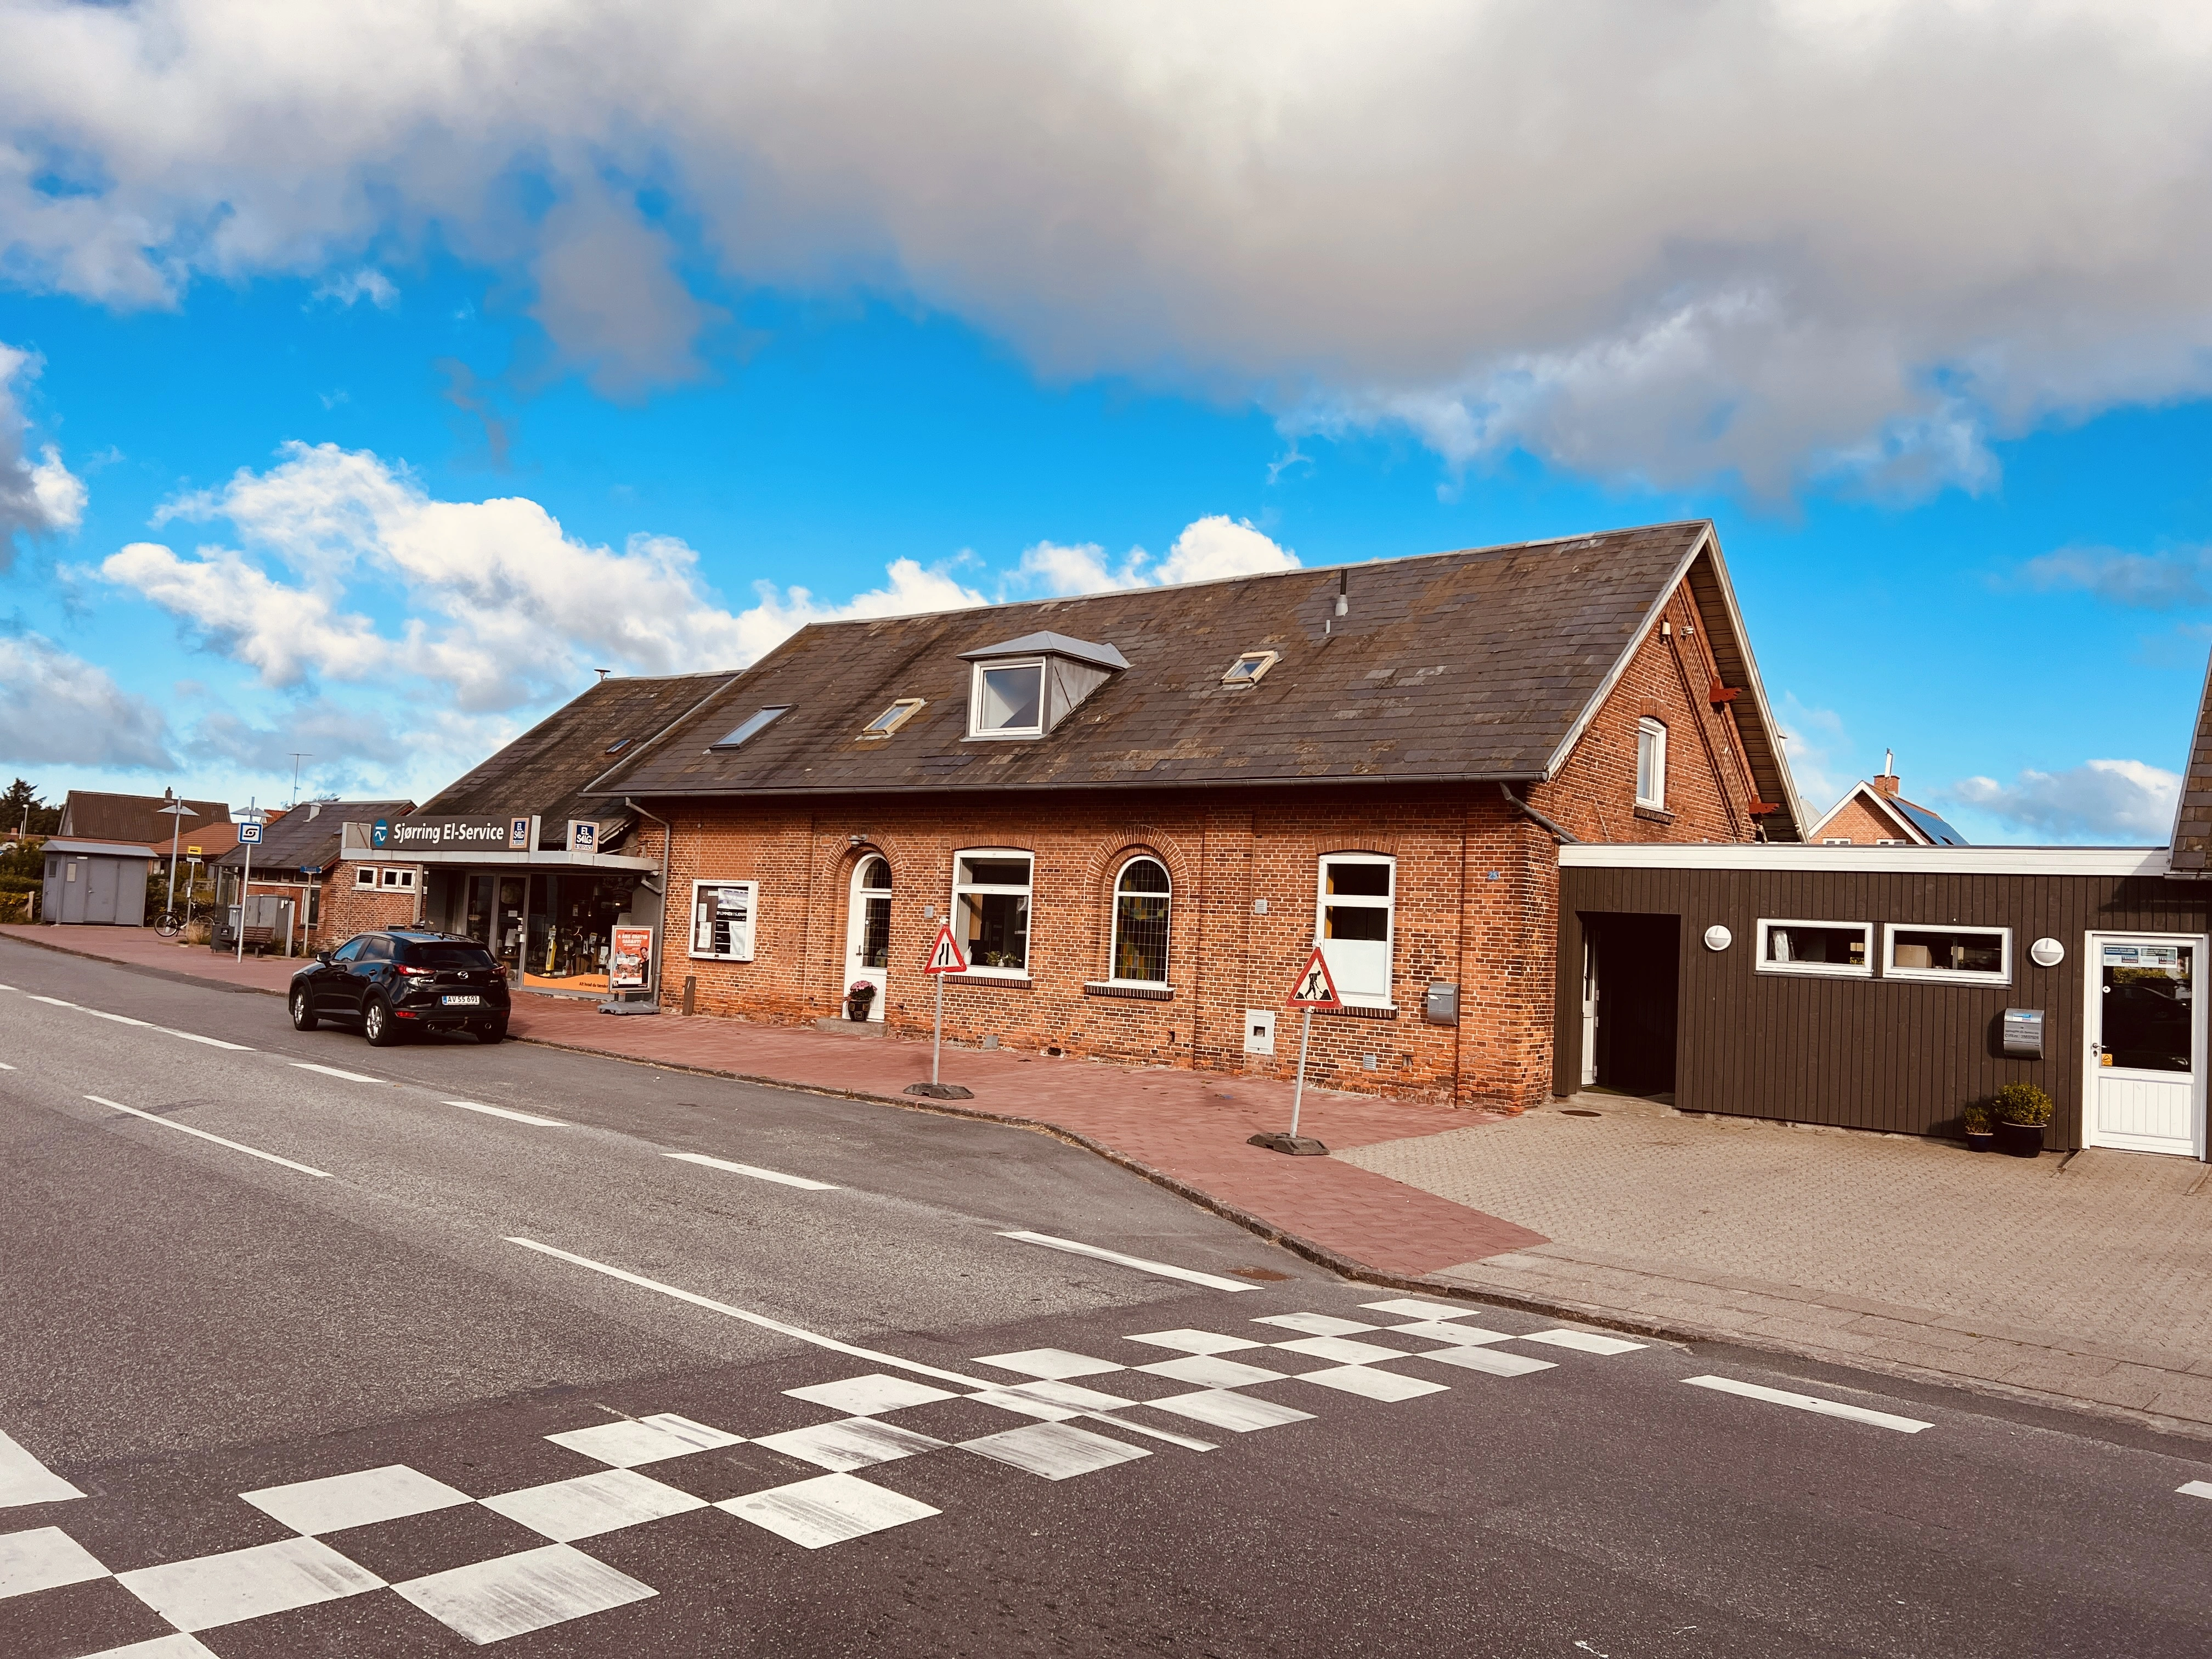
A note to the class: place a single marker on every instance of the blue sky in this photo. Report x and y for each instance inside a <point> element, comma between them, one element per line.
<point>246,429</point>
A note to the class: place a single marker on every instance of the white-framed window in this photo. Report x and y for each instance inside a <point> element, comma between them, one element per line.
<point>722,918</point>
<point>1837,950</point>
<point>1835,841</point>
<point>1141,900</point>
<point>1651,764</point>
<point>398,880</point>
<point>991,909</point>
<point>1006,699</point>
<point>364,875</point>
<point>752,725</point>
<point>1247,669</point>
<point>892,717</point>
<point>1946,956</point>
<point>1355,924</point>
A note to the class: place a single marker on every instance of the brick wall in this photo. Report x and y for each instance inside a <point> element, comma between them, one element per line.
<point>1476,901</point>
<point>1860,823</point>
<point>349,909</point>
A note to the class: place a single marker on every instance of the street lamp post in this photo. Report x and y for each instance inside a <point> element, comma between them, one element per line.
<point>177,812</point>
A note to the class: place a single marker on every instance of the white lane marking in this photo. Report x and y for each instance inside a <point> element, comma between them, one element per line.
<point>1495,1362</point>
<point>361,1499</point>
<point>1581,1341</point>
<point>626,1443</point>
<point>1343,1350</point>
<point>800,1333</point>
<point>332,1070</point>
<point>1371,1384</point>
<point>5,1066</point>
<point>514,1595</point>
<point>147,1024</point>
<point>1415,1308</point>
<point>1054,1450</point>
<point>826,1510</point>
<point>1189,1341</point>
<point>1314,1324</point>
<point>1206,1371</point>
<point>1165,1269</point>
<point>855,1442</point>
<point>586,1505</point>
<point>24,1479</point>
<point>755,1171</point>
<point>186,1129</point>
<point>864,1396</point>
<point>1807,1402</point>
<point>1221,1409</point>
<point>502,1111</point>
<point>211,1590</point>
<point>179,1646</point>
<point>2196,1489</point>
<point>44,1558</point>
<point>1056,1363</point>
<point>1452,1331</point>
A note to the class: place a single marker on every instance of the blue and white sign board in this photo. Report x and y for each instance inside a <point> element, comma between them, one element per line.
<point>249,834</point>
<point>583,836</point>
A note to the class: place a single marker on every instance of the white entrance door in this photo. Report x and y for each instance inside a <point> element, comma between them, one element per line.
<point>868,931</point>
<point>1589,1011</point>
<point>2146,1032</point>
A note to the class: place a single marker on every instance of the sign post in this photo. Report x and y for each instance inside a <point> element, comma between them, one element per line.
<point>944,957</point>
<point>1315,988</point>
<point>249,836</point>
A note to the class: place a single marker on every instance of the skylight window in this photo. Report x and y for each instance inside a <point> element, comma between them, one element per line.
<point>619,744</point>
<point>752,725</point>
<point>1247,669</point>
<point>892,717</point>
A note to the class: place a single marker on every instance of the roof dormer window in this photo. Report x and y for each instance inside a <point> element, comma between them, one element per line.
<point>1247,669</point>
<point>752,725</point>
<point>892,717</point>
<point>1008,700</point>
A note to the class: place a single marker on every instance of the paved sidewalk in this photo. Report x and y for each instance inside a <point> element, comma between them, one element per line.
<point>1186,1129</point>
<point>2081,1280</point>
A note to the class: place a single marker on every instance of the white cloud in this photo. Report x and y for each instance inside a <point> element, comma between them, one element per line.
<point>352,285</point>
<point>1208,548</point>
<point>57,707</point>
<point>36,497</point>
<point>1219,546</point>
<point>283,633</point>
<point>2149,581</point>
<point>1817,753</point>
<point>2125,800</point>
<point>1784,240</point>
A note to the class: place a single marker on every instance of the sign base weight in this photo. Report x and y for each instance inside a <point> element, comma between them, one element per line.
<point>1296,1145</point>
<point>940,1090</point>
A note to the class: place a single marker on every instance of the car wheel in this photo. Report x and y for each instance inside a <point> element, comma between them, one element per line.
<point>377,1025</point>
<point>303,1011</point>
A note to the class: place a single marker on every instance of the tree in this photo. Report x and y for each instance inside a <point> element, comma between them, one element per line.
<point>22,812</point>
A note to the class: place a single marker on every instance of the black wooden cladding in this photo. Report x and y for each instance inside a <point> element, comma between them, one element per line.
<point>1903,1055</point>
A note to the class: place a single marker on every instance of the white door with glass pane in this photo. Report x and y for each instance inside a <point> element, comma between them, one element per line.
<point>868,931</point>
<point>2146,1033</point>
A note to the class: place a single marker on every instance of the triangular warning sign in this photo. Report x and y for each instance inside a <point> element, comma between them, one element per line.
<point>945,956</point>
<point>1316,988</point>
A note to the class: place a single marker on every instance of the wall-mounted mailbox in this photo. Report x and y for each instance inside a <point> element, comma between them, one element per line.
<point>2023,1033</point>
<point>1441,1005</point>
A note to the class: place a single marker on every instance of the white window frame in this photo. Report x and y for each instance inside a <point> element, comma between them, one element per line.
<point>1261,661</point>
<point>1114,923</point>
<point>901,711</point>
<point>742,933</point>
<point>365,876</point>
<point>1026,890</point>
<point>1814,969</point>
<point>976,701</point>
<point>1657,730</point>
<point>1389,906</point>
<point>1890,930</point>
<point>397,880</point>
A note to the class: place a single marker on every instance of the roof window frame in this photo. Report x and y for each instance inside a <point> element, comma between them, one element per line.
<point>1264,659</point>
<point>902,710</point>
<point>999,664</point>
<point>750,728</point>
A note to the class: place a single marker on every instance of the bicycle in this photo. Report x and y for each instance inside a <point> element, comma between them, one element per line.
<point>168,924</point>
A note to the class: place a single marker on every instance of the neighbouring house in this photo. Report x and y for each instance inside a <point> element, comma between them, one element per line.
<point>1888,987</point>
<point>1140,810</point>
<point>296,864</point>
<point>202,830</point>
<point>1874,812</point>
<point>526,854</point>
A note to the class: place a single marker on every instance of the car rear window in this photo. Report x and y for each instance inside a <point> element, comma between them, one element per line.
<point>450,956</point>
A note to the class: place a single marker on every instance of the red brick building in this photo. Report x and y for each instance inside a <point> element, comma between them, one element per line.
<point>1140,810</point>
<point>1874,812</point>
<point>298,861</point>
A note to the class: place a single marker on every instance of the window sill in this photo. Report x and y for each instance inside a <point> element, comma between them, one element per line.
<point>696,956</point>
<point>1654,814</point>
<point>1815,970</point>
<point>1944,976</point>
<point>1135,991</point>
<point>990,976</point>
<point>1361,1010</point>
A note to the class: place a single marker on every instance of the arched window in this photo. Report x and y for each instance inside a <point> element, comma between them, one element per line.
<point>1140,922</point>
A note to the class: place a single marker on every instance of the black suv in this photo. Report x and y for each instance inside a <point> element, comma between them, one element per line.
<point>400,980</point>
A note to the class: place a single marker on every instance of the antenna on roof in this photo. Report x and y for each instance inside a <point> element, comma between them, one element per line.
<point>1889,763</point>
<point>603,673</point>
<point>1343,592</point>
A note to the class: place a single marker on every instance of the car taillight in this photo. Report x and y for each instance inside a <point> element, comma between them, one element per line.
<point>415,973</point>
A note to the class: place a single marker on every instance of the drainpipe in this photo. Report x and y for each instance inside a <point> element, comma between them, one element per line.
<point>1567,837</point>
<point>667,842</point>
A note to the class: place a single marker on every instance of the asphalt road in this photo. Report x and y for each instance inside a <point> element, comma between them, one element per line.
<point>787,1419</point>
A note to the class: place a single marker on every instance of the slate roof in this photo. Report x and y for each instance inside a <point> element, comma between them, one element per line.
<point>2190,854</point>
<point>307,837</point>
<point>91,816</point>
<point>1930,824</point>
<point>547,770</point>
<point>1482,664</point>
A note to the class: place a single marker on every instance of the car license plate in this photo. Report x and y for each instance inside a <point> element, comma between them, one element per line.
<point>460,1002</point>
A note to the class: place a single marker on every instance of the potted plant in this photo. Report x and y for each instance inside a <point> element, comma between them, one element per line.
<point>2022,1110</point>
<point>1979,1123</point>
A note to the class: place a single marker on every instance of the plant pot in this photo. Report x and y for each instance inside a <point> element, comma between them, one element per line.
<point>1981,1143</point>
<point>2020,1139</point>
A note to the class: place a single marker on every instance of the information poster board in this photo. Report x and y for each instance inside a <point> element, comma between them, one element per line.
<point>629,959</point>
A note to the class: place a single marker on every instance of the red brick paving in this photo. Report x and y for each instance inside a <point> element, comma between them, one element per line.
<point>1189,1126</point>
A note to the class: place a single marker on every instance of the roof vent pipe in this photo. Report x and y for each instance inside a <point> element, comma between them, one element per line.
<point>1343,592</point>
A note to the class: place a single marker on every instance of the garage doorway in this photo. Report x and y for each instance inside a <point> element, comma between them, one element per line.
<point>1631,977</point>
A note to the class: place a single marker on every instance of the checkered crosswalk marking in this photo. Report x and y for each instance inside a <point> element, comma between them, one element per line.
<point>1065,1406</point>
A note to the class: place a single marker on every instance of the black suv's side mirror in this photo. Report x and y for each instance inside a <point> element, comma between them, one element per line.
<point>323,957</point>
